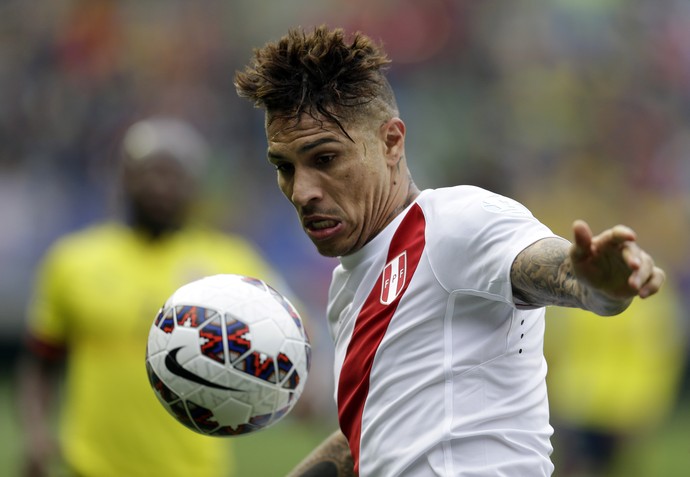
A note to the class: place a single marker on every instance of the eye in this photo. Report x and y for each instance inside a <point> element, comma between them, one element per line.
<point>324,159</point>
<point>284,167</point>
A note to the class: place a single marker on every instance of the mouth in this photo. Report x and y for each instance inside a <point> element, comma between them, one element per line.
<point>321,228</point>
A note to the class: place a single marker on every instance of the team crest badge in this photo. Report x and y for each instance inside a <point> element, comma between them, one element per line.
<point>393,278</point>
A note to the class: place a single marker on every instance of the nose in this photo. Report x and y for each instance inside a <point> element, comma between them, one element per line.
<point>306,188</point>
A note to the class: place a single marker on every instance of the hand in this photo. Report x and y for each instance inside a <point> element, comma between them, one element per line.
<point>613,264</point>
<point>39,458</point>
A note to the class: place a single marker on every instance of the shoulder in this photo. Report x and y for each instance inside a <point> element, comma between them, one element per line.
<point>471,200</point>
<point>229,251</point>
<point>91,239</point>
<point>470,213</point>
<point>218,240</point>
<point>474,234</point>
<point>78,251</point>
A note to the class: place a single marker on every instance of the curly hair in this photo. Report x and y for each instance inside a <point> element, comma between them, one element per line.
<point>320,74</point>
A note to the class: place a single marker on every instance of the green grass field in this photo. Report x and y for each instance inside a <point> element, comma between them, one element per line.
<point>665,453</point>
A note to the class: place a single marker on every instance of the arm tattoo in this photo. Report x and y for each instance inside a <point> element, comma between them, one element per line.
<point>542,275</point>
<point>331,459</point>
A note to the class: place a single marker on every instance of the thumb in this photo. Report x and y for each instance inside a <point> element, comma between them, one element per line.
<point>582,246</point>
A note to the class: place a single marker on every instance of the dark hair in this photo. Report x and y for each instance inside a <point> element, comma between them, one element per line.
<point>320,74</point>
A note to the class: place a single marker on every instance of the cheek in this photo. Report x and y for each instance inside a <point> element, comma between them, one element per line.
<point>283,186</point>
<point>356,193</point>
<point>368,182</point>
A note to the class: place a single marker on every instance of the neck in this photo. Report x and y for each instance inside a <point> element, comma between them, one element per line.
<point>410,195</point>
<point>152,229</point>
<point>154,232</point>
<point>403,196</point>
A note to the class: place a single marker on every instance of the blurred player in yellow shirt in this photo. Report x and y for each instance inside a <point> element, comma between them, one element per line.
<point>96,294</point>
<point>611,379</point>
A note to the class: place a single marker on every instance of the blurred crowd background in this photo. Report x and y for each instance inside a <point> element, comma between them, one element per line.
<point>577,108</point>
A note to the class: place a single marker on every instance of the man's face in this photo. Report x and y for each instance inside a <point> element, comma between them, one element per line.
<point>339,187</point>
<point>159,191</point>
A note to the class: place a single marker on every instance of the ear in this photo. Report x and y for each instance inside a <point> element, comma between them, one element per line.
<point>393,134</point>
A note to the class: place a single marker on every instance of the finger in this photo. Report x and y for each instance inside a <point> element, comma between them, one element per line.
<point>654,283</point>
<point>637,259</point>
<point>583,240</point>
<point>642,267</point>
<point>616,235</point>
<point>623,233</point>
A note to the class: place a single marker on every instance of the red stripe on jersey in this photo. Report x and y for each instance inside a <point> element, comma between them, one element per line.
<point>370,327</point>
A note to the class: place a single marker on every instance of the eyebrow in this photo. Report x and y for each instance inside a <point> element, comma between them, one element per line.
<point>306,147</point>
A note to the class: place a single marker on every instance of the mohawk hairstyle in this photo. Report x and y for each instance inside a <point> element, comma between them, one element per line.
<point>320,74</point>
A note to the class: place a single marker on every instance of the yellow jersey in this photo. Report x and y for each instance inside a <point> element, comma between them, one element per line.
<point>97,293</point>
<point>618,373</point>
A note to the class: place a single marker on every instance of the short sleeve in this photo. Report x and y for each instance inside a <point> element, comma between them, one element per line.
<point>474,236</point>
<point>46,313</point>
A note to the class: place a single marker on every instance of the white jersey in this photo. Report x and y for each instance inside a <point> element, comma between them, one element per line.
<point>438,372</point>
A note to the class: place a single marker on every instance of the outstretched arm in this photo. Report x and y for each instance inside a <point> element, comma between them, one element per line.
<point>331,459</point>
<point>601,273</point>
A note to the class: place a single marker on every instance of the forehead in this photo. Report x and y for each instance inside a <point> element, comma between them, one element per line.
<point>159,162</point>
<point>289,135</point>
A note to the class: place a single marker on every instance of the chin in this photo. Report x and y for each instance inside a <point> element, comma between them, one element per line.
<point>327,250</point>
<point>335,250</point>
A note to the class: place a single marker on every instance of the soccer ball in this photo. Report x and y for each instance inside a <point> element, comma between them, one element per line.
<point>227,355</point>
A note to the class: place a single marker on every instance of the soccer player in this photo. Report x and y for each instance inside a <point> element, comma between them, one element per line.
<point>97,293</point>
<point>437,305</point>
